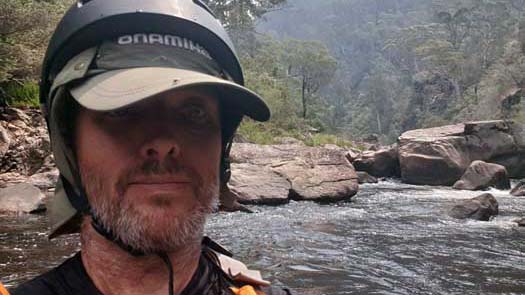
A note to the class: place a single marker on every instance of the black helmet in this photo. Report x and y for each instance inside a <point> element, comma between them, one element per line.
<point>73,46</point>
<point>89,22</point>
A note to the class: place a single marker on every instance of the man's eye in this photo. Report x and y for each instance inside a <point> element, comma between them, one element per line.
<point>195,114</point>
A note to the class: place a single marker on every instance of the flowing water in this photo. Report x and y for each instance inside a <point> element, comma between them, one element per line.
<point>391,238</point>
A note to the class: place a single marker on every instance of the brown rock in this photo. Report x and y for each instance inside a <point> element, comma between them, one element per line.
<point>21,198</point>
<point>315,173</point>
<point>29,142</point>
<point>381,163</point>
<point>481,208</point>
<point>259,185</point>
<point>519,189</point>
<point>9,178</point>
<point>521,222</point>
<point>440,156</point>
<point>481,175</point>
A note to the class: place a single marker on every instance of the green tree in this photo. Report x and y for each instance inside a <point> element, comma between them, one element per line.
<point>25,28</point>
<point>312,65</point>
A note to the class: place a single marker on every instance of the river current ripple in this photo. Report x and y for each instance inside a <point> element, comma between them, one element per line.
<point>392,238</point>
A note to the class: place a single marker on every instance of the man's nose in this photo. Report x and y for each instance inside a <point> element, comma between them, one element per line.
<point>159,148</point>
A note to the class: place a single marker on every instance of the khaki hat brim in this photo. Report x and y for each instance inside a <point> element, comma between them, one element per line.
<point>119,88</point>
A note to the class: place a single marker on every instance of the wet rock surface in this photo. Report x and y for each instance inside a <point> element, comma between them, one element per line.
<point>481,175</point>
<point>481,208</point>
<point>519,189</point>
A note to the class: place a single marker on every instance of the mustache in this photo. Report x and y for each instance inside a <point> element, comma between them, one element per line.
<point>153,167</point>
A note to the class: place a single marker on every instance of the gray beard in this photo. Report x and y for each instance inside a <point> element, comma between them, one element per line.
<point>149,233</point>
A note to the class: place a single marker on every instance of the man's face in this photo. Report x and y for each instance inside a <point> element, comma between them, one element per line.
<point>151,171</point>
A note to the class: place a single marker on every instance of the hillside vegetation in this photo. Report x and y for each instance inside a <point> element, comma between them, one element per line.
<point>405,64</point>
<point>336,69</point>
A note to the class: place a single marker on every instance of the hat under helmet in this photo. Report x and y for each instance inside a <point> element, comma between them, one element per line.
<point>73,47</point>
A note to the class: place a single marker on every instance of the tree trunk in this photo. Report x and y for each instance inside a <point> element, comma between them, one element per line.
<point>379,127</point>
<point>303,94</point>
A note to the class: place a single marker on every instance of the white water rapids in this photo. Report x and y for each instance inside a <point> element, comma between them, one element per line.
<point>392,238</point>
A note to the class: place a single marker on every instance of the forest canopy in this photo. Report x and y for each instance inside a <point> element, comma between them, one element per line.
<point>350,68</point>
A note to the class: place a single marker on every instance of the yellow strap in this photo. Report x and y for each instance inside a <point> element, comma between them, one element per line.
<point>246,290</point>
<point>3,290</point>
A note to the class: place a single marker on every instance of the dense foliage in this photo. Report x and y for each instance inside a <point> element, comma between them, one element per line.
<point>404,64</point>
<point>346,67</point>
<point>25,28</point>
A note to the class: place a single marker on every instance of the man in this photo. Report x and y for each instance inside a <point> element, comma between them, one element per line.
<point>142,99</point>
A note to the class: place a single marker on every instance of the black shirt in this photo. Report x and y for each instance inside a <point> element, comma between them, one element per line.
<point>71,278</point>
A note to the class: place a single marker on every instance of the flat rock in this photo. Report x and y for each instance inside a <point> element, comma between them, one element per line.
<point>440,156</point>
<point>313,173</point>
<point>21,198</point>
<point>381,163</point>
<point>481,175</point>
<point>254,184</point>
<point>521,222</point>
<point>364,177</point>
<point>519,189</point>
<point>320,183</point>
<point>481,208</point>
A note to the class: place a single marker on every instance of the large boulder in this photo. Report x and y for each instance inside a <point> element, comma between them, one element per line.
<point>481,175</point>
<point>481,208</point>
<point>21,198</point>
<point>440,156</point>
<point>519,189</point>
<point>381,163</point>
<point>314,173</point>
<point>258,185</point>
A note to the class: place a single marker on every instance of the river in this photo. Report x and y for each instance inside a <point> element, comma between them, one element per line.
<point>392,238</point>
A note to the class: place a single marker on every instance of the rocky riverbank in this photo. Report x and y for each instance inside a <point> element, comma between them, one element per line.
<point>470,156</point>
<point>263,175</point>
<point>474,156</point>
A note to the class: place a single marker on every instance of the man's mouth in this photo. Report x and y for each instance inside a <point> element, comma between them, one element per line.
<point>158,184</point>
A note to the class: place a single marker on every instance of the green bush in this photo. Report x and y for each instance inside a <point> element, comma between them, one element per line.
<point>20,94</point>
<point>322,139</point>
